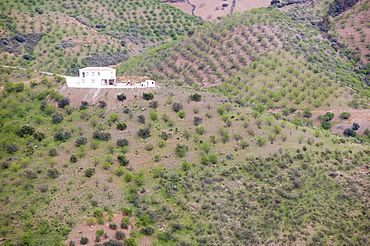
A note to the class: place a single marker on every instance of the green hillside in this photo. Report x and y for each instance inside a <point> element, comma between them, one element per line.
<point>62,36</point>
<point>228,163</point>
<point>229,149</point>
<point>258,43</point>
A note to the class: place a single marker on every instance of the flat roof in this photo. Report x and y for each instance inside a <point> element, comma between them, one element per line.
<point>97,69</point>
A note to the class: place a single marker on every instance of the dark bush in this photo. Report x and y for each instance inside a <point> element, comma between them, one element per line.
<point>355,126</point>
<point>123,161</point>
<point>63,102</point>
<point>84,240</point>
<point>57,117</point>
<point>102,104</point>
<point>197,121</point>
<point>147,230</point>
<point>104,136</point>
<point>53,152</point>
<point>53,173</point>
<point>122,142</point>
<point>148,96</point>
<point>121,97</point>
<point>120,235</point>
<point>165,136</point>
<point>73,159</point>
<point>11,148</point>
<point>121,126</point>
<point>39,136</point>
<point>144,132</point>
<point>81,141</point>
<point>153,104</point>
<point>113,226</point>
<point>195,97</point>
<point>84,105</point>
<point>89,172</point>
<point>25,130</point>
<point>30,174</point>
<point>349,132</point>
<point>112,242</point>
<point>126,110</point>
<point>62,136</point>
<point>141,119</point>
<point>39,10</point>
<point>177,106</point>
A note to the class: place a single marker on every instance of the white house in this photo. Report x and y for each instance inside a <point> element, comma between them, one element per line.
<point>98,75</point>
<point>105,77</point>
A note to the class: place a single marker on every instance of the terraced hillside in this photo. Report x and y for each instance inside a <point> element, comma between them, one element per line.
<point>237,44</point>
<point>61,36</point>
<point>353,29</point>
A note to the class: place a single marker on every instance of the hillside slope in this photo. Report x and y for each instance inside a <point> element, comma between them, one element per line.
<point>240,43</point>
<point>63,36</point>
<point>187,175</point>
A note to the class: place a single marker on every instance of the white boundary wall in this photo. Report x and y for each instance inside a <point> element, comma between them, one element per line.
<point>75,82</point>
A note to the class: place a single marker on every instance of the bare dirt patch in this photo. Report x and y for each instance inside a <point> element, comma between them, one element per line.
<point>89,231</point>
<point>186,7</point>
<point>353,28</point>
<point>360,116</point>
<point>213,9</point>
<point>243,5</point>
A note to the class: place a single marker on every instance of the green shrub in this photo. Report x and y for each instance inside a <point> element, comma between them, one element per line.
<point>125,222</point>
<point>181,114</point>
<point>181,150</point>
<point>144,132</point>
<point>122,142</point>
<point>98,213</point>
<point>113,226</point>
<point>123,161</point>
<point>345,115</point>
<point>147,230</point>
<point>195,97</point>
<point>126,212</point>
<point>100,232</point>
<point>326,125</point>
<point>120,235</point>
<point>57,117</point>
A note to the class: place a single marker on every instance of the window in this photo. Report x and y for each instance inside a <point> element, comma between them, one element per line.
<point>87,74</point>
<point>98,73</point>
<point>83,74</point>
<point>92,74</point>
<point>92,80</point>
<point>83,80</point>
